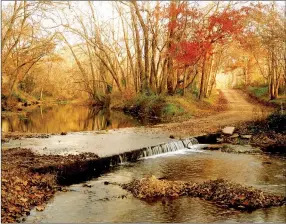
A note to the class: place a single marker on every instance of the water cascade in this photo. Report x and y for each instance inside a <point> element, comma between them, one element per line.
<point>93,168</point>
<point>134,155</point>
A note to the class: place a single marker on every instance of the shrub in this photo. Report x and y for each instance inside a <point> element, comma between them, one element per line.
<point>277,122</point>
<point>144,105</point>
<point>172,109</point>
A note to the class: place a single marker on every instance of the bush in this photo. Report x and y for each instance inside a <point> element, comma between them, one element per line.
<point>27,85</point>
<point>172,109</point>
<point>144,105</point>
<point>277,122</point>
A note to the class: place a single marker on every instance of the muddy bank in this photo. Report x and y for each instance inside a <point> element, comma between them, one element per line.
<point>7,136</point>
<point>30,180</point>
<point>222,192</point>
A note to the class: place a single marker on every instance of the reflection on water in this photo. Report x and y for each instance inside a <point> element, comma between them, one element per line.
<point>67,118</point>
<point>103,203</point>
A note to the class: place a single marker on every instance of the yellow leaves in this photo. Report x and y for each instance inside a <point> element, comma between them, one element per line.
<point>152,187</point>
<point>17,188</point>
<point>22,188</point>
<point>40,208</point>
<point>223,193</point>
<point>241,197</point>
<point>25,183</point>
<point>24,200</point>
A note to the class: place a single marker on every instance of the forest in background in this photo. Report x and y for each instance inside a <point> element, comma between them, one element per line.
<point>69,51</point>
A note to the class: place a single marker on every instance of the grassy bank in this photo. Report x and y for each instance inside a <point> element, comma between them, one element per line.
<point>260,94</point>
<point>170,108</point>
<point>20,102</point>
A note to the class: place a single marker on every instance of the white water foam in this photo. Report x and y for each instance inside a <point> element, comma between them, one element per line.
<point>183,151</point>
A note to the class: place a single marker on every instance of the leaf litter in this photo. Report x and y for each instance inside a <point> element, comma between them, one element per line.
<point>222,192</point>
<point>23,187</point>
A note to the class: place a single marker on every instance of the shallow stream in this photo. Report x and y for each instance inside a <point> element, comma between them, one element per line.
<point>110,203</point>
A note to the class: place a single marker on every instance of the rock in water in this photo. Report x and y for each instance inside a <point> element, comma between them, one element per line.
<point>228,130</point>
<point>213,147</point>
<point>240,149</point>
<point>234,135</point>
<point>246,136</point>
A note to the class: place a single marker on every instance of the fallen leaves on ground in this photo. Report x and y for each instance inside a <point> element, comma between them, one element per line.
<point>22,188</point>
<point>224,193</point>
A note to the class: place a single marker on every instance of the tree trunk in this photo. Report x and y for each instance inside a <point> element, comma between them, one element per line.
<point>201,94</point>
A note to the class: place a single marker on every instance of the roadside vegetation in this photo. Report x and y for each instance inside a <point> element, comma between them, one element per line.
<point>261,94</point>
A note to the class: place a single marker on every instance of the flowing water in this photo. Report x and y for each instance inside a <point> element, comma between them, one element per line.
<point>110,203</point>
<point>68,118</point>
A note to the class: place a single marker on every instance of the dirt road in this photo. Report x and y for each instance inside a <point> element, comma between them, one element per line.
<point>239,110</point>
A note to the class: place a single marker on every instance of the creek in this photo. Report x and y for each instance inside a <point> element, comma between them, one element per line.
<point>110,203</point>
<point>69,118</point>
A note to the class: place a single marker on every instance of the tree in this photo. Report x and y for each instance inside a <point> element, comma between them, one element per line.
<point>23,44</point>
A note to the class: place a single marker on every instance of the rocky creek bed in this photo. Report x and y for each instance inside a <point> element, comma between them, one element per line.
<point>222,192</point>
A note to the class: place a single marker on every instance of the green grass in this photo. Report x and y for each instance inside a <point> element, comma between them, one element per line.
<point>172,110</point>
<point>260,91</point>
<point>152,105</point>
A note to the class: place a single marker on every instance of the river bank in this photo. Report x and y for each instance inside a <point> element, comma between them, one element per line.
<point>268,134</point>
<point>30,180</point>
<point>137,111</point>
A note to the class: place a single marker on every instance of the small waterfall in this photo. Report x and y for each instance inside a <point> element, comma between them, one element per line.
<point>153,150</point>
<point>121,159</point>
<point>190,142</point>
<point>96,167</point>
